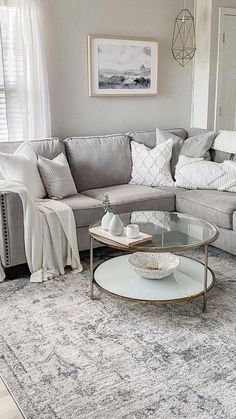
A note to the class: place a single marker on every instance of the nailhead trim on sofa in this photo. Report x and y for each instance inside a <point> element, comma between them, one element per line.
<point>5,245</point>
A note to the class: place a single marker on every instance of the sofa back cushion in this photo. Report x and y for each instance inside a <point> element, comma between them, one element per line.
<point>48,148</point>
<point>220,156</point>
<point>97,162</point>
<point>148,138</point>
<point>193,132</point>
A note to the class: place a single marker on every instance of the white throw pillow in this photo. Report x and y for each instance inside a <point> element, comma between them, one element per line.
<point>22,167</point>
<point>197,173</point>
<point>151,166</point>
<point>225,141</point>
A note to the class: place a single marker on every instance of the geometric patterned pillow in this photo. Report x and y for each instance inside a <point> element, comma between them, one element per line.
<point>151,166</point>
<point>56,176</point>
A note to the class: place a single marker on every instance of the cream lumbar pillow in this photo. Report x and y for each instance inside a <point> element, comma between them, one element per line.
<point>197,173</point>
<point>225,141</point>
<point>57,177</point>
<point>22,167</point>
<point>151,166</point>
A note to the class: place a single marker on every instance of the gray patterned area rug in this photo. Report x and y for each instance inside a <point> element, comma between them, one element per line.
<point>65,356</point>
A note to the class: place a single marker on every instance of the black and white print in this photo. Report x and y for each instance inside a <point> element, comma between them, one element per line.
<point>122,66</point>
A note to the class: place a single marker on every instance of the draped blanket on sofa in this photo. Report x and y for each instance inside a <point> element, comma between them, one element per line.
<point>49,235</point>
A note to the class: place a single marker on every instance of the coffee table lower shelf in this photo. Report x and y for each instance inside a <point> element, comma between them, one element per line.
<point>117,278</point>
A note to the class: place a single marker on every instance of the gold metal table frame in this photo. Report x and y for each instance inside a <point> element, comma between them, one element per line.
<point>133,249</point>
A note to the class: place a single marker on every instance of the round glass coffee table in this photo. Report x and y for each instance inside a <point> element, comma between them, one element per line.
<point>171,232</point>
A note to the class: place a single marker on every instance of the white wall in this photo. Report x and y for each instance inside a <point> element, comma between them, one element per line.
<point>205,64</point>
<point>201,67</point>
<point>214,48</point>
<point>66,24</point>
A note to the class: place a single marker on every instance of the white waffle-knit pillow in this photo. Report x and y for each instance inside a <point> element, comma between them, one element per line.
<point>196,173</point>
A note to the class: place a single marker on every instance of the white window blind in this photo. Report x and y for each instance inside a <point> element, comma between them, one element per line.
<point>12,72</point>
<point>3,115</point>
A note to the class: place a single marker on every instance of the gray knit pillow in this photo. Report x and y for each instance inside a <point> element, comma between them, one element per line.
<point>56,176</point>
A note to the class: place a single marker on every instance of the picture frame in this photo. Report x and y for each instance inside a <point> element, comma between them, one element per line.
<point>122,66</point>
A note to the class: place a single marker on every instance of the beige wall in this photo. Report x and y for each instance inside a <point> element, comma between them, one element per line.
<point>66,24</point>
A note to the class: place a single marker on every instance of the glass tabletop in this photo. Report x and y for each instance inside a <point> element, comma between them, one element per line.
<point>169,230</point>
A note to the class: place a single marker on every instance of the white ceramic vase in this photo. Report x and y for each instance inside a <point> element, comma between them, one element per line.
<point>116,227</point>
<point>106,219</point>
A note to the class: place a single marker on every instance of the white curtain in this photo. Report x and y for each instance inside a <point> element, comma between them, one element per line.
<point>24,72</point>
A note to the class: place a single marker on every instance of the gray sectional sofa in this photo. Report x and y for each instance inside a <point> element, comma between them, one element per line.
<point>103,164</point>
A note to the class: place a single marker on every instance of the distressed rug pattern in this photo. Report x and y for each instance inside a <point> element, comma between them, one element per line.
<point>67,357</point>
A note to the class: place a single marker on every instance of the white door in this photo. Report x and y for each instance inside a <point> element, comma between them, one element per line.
<point>226,89</point>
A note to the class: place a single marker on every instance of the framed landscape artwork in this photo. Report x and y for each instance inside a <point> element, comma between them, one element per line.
<point>122,66</point>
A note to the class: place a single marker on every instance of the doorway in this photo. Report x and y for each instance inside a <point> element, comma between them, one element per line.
<point>225,112</point>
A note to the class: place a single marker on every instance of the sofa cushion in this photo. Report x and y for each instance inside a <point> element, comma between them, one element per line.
<point>48,148</point>
<point>97,162</point>
<point>174,190</point>
<point>220,156</point>
<point>193,132</point>
<point>127,198</point>
<point>86,210</point>
<point>214,206</point>
<point>148,138</point>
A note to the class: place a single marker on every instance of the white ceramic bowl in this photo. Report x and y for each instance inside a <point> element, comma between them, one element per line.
<point>167,262</point>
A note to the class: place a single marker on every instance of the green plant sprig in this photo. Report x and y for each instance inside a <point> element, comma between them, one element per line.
<point>106,203</point>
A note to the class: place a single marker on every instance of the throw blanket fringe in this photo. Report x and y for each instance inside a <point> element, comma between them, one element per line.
<point>49,235</point>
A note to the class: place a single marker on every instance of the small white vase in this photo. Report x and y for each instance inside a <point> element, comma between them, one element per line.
<point>106,219</point>
<point>116,227</point>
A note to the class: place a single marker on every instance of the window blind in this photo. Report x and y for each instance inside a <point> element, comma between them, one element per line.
<point>3,115</point>
<point>12,74</point>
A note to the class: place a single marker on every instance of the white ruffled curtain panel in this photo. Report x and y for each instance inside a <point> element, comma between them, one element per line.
<point>24,77</point>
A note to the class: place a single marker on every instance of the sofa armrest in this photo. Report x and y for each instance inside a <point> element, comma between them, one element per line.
<point>12,248</point>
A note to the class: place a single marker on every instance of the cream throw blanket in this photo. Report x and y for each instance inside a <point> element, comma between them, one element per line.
<point>49,235</point>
